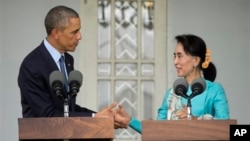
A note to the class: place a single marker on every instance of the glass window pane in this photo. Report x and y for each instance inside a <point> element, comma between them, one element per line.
<point>126,69</point>
<point>126,95</point>
<point>126,29</point>
<point>103,93</point>
<point>147,69</point>
<point>147,89</point>
<point>104,69</point>
<point>104,32</point>
<point>147,49</point>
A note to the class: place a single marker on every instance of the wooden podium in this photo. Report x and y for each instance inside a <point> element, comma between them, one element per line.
<point>66,128</point>
<point>166,130</point>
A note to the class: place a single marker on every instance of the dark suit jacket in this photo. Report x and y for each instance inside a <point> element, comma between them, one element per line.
<point>38,99</point>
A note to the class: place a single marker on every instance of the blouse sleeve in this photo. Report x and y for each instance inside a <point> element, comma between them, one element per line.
<point>136,125</point>
<point>163,111</point>
<point>221,104</point>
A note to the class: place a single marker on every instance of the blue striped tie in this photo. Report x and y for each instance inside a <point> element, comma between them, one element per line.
<point>63,70</point>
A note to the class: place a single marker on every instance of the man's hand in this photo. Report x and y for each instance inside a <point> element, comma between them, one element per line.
<point>107,112</point>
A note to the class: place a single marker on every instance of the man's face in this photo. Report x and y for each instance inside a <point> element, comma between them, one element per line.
<point>69,38</point>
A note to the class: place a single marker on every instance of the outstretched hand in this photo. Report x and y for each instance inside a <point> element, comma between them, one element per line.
<point>122,118</point>
<point>107,112</point>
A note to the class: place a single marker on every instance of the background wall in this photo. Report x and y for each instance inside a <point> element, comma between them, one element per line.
<point>1,58</point>
<point>223,24</point>
<point>21,31</point>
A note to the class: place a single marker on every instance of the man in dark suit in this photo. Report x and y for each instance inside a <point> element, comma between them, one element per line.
<point>38,99</point>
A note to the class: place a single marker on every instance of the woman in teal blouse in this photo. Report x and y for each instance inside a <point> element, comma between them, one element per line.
<point>192,60</point>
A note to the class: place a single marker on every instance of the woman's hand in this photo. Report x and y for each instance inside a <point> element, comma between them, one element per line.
<point>183,114</point>
<point>122,118</point>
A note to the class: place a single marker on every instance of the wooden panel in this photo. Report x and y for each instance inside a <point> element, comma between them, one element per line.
<point>186,130</point>
<point>66,128</point>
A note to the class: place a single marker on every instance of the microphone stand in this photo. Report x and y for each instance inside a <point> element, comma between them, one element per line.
<point>189,115</point>
<point>66,102</point>
<point>66,109</point>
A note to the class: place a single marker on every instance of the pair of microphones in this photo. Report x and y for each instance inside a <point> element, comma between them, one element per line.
<point>180,88</point>
<point>57,83</point>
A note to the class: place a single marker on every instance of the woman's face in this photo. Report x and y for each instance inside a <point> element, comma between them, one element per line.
<point>184,63</point>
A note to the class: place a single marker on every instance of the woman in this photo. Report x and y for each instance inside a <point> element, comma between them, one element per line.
<point>192,60</point>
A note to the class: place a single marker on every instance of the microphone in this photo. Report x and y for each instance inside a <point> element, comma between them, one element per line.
<point>75,82</point>
<point>180,87</point>
<point>197,86</point>
<point>56,79</point>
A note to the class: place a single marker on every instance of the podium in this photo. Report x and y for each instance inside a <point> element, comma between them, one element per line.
<point>66,128</point>
<point>167,130</point>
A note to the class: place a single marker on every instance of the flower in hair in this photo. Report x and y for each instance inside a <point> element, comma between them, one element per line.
<point>205,64</point>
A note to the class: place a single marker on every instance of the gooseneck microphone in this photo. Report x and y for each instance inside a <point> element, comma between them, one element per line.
<point>180,87</point>
<point>56,79</point>
<point>75,82</point>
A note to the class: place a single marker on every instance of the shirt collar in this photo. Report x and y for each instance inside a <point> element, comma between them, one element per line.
<point>53,52</point>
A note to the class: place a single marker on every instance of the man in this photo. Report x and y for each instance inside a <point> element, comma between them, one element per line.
<point>38,99</point>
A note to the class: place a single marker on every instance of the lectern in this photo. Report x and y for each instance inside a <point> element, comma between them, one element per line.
<point>167,130</point>
<point>66,128</point>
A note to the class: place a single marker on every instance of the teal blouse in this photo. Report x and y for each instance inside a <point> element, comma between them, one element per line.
<point>212,101</point>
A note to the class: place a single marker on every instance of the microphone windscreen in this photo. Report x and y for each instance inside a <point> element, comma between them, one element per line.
<point>198,85</point>
<point>56,76</point>
<point>75,76</point>
<point>180,86</point>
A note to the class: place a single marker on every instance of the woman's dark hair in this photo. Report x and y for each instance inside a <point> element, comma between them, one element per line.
<point>195,46</point>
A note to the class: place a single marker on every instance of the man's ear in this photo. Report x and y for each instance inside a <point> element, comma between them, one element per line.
<point>55,33</point>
